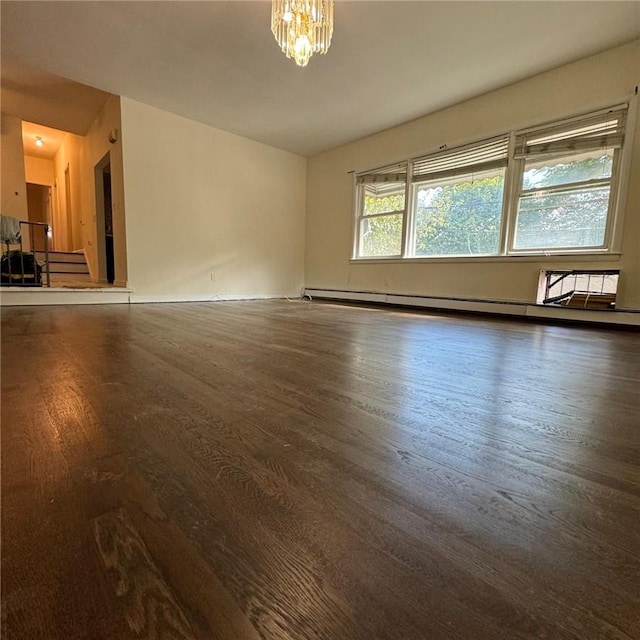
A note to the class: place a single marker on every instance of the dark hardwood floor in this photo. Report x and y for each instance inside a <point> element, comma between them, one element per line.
<point>309,471</point>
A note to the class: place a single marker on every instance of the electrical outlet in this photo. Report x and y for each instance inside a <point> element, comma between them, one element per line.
<point>213,277</point>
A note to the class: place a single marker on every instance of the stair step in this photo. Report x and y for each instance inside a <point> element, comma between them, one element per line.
<point>57,278</point>
<point>62,256</point>
<point>68,267</point>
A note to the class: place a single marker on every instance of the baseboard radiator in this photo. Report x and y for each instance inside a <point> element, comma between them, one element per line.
<point>495,307</point>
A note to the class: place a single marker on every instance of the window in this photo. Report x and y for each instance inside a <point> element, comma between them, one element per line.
<point>458,202</point>
<point>590,289</point>
<point>566,179</point>
<point>382,211</point>
<point>457,198</point>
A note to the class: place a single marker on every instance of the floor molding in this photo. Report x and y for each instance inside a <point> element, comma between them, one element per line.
<point>497,307</point>
<point>45,296</point>
<point>14,297</point>
<point>141,299</point>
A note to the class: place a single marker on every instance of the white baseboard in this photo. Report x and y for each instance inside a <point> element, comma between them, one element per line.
<point>499,307</point>
<point>17,297</point>
<point>142,299</point>
<point>47,296</point>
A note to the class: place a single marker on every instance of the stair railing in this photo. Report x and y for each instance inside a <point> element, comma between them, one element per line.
<point>32,228</point>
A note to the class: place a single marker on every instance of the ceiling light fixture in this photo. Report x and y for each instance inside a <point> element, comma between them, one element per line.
<point>39,142</point>
<point>302,27</point>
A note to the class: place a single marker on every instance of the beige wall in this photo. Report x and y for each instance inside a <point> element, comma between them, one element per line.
<point>201,201</point>
<point>14,192</point>
<point>594,82</point>
<point>96,146</point>
<point>68,218</point>
<point>39,170</point>
<point>75,222</point>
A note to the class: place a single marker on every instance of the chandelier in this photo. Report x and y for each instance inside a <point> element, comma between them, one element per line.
<point>302,27</point>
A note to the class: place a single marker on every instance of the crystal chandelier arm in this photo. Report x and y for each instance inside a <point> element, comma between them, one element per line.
<point>302,27</point>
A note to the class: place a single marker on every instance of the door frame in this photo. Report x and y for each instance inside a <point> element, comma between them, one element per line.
<point>69,207</point>
<point>100,230</point>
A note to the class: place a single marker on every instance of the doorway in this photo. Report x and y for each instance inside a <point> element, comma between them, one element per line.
<point>104,218</point>
<point>38,210</point>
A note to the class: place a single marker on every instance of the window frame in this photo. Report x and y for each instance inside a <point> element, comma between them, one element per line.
<point>411,241</point>
<point>360,215</point>
<point>512,191</point>
<point>614,188</point>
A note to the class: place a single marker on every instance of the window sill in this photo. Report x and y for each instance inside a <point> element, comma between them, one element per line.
<point>611,256</point>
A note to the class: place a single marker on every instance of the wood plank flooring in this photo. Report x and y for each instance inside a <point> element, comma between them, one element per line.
<point>296,471</point>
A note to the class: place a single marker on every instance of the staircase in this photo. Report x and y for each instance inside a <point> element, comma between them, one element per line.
<point>66,267</point>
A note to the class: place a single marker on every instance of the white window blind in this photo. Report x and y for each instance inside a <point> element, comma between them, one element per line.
<point>601,131</point>
<point>487,155</point>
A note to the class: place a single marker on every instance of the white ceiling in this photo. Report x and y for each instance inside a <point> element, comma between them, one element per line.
<point>390,62</point>
<point>37,96</point>
<point>51,140</point>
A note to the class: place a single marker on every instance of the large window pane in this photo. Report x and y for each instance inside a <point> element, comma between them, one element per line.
<point>568,219</point>
<point>591,165</point>
<point>381,236</point>
<point>459,216</point>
